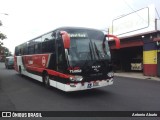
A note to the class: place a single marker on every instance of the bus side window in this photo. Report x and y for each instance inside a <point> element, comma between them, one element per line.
<point>24,49</point>
<point>38,45</point>
<point>31,47</point>
<point>44,47</point>
<point>20,51</point>
<point>48,43</point>
<point>16,51</point>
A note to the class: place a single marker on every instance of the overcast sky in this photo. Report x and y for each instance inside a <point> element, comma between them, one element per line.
<point>27,19</point>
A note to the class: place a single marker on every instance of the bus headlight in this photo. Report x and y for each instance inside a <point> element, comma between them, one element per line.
<point>76,78</point>
<point>110,74</point>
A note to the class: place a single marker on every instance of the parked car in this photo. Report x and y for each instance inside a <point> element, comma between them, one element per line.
<point>9,62</point>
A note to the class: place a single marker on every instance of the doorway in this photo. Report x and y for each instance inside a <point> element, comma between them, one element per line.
<point>129,59</point>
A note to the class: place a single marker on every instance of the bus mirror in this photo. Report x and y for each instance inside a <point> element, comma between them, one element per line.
<point>116,39</point>
<point>66,39</point>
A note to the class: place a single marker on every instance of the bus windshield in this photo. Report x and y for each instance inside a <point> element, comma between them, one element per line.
<point>87,45</point>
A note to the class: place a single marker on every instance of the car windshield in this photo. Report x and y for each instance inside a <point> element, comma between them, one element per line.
<point>87,45</point>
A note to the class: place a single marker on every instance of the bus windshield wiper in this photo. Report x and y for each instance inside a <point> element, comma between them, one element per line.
<point>96,50</point>
<point>99,53</point>
<point>90,50</point>
<point>89,54</point>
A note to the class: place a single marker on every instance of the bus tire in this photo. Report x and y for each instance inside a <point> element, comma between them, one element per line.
<point>20,70</point>
<point>46,80</point>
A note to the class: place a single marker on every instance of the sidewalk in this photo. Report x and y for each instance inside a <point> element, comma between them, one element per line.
<point>136,75</point>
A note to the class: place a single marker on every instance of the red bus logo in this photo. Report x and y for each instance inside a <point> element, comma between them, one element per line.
<point>43,61</point>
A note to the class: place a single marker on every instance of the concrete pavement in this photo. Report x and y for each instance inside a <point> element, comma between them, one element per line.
<point>136,75</point>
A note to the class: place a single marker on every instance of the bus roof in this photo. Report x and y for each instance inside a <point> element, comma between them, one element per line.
<point>60,28</point>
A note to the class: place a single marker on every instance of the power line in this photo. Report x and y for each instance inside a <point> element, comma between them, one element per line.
<point>134,11</point>
<point>137,13</point>
<point>157,13</point>
<point>129,6</point>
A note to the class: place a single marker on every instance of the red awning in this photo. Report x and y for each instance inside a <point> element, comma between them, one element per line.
<point>128,44</point>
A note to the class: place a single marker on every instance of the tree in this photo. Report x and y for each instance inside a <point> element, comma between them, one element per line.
<point>4,52</point>
<point>0,23</point>
<point>2,36</point>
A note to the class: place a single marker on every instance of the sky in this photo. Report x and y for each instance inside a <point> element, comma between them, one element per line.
<point>28,19</point>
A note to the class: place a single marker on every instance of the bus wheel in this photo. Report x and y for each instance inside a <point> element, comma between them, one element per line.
<point>20,71</point>
<point>46,80</point>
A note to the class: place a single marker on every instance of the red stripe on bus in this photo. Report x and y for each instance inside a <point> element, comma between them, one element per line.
<point>35,69</point>
<point>55,73</point>
<point>50,72</point>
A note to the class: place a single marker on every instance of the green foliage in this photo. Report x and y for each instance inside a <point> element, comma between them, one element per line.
<point>5,51</point>
<point>2,36</point>
<point>0,23</point>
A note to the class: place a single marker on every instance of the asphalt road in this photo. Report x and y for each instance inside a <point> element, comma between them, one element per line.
<point>19,93</point>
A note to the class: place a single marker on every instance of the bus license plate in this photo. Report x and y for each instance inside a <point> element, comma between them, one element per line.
<point>94,84</point>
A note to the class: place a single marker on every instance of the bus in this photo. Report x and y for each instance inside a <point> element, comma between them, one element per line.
<point>67,58</point>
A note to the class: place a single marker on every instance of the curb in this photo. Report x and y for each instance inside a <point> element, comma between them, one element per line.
<point>138,76</point>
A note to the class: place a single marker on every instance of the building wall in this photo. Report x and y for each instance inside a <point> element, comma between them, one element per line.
<point>150,62</point>
<point>149,56</point>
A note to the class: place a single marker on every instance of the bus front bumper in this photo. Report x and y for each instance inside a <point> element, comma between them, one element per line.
<point>87,85</point>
